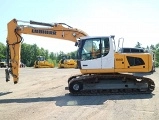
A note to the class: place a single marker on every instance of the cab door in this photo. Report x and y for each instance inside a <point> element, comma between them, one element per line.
<point>91,54</point>
<point>107,53</point>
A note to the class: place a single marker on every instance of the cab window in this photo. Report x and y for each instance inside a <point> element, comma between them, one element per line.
<point>105,46</point>
<point>91,49</point>
<point>95,48</point>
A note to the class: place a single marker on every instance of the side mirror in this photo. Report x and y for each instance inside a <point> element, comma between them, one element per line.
<point>76,43</point>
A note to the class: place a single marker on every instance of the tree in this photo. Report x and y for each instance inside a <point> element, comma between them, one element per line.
<point>60,55</point>
<point>52,56</point>
<point>152,47</point>
<point>2,51</point>
<point>155,49</point>
<point>29,54</point>
<point>36,52</point>
<point>138,45</point>
<point>26,54</point>
<point>73,55</point>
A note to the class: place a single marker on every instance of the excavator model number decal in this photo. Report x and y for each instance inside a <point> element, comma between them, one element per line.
<point>119,59</point>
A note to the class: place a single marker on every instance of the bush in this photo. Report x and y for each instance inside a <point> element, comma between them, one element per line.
<point>156,64</point>
<point>52,61</point>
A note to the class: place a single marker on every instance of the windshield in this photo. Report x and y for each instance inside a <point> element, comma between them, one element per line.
<point>94,48</point>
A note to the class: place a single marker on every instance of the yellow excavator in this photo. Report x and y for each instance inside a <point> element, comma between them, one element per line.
<point>103,71</point>
<point>42,63</point>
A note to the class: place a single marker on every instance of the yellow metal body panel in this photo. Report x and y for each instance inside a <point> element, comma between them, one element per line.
<point>119,61</point>
<point>122,65</point>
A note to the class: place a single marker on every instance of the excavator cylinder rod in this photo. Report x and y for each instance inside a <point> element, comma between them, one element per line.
<point>41,23</point>
<point>7,75</point>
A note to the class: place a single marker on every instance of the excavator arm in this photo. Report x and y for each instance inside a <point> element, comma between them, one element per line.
<point>14,39</point>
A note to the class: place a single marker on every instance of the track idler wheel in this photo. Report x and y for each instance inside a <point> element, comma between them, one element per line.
<point>75,86</point>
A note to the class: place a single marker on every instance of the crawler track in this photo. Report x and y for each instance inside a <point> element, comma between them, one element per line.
<point>141,85</point>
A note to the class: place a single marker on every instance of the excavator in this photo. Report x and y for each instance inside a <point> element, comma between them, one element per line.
<point>103,71</point>
<point>42,63</point>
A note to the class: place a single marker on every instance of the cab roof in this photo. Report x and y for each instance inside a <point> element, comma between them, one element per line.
<point>89,37</point>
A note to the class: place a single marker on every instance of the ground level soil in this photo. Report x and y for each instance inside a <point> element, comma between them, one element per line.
<point>41,95</point>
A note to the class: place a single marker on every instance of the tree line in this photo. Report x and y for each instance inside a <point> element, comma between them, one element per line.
<point>29,53</point>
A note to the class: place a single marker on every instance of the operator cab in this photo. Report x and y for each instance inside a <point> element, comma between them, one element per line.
<point>40,58</point>
<point>95,52</point>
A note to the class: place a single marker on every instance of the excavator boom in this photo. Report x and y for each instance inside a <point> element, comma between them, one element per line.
<point>14,39</point>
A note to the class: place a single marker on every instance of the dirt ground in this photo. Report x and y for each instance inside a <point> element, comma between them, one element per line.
<point>41,95</point>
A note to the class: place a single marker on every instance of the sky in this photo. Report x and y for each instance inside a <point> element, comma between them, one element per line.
<point>134,20</point>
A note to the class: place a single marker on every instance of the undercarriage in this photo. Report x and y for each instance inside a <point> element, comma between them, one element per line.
<point>105,84</point>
